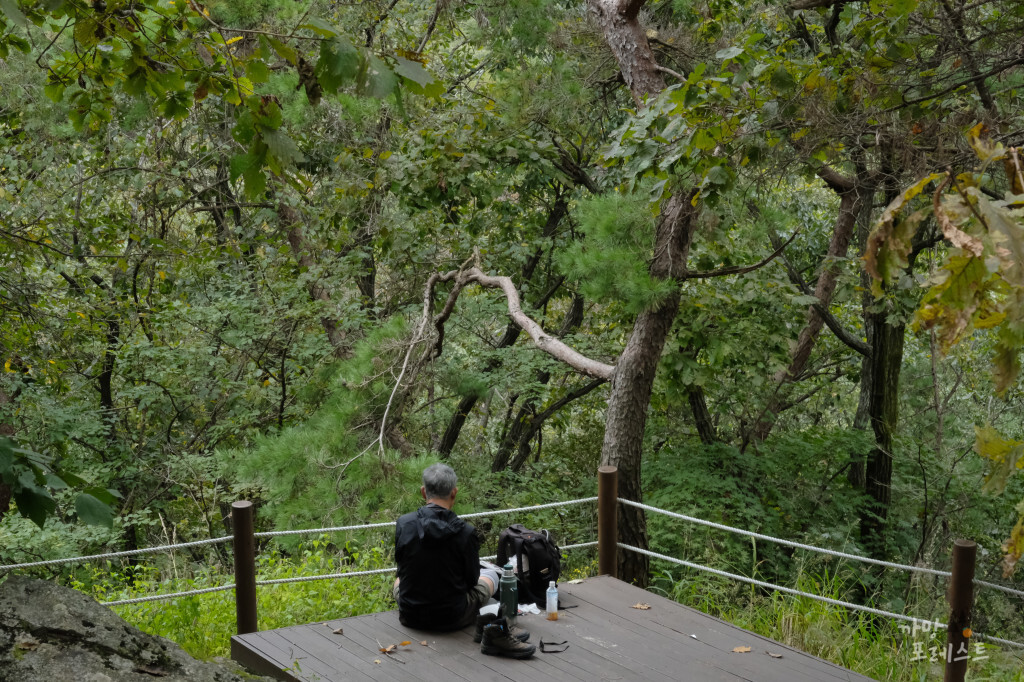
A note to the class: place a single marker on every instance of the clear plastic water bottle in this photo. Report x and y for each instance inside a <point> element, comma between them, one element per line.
<point>552,595</point>
<point>509,595</point>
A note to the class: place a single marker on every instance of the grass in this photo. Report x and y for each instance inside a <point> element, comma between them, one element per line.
<point>203,624</point>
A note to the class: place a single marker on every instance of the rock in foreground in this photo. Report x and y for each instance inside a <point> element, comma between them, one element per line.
<point>50,633</point>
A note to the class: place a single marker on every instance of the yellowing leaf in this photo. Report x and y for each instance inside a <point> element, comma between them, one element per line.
<point>233,40</point>
<point>1014,548</point>
<point>405,643</point>
<point>741,649</point>
<point>888,246</point>
<point>982,144</point>
<point>642,606</point>
<point>1004,453</point>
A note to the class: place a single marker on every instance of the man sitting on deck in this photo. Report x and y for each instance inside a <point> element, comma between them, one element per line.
<point>440,583</point>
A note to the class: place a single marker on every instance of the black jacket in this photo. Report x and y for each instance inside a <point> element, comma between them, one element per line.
<point>438,557</point>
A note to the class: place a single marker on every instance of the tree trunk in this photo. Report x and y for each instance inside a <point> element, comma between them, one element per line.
<point>883,412</point>
<point>291,222</point>
<point>6,429</point>
<point>624,427</point>
<point>862,419</point>
<point>633,378</point>
<point>701,416</point>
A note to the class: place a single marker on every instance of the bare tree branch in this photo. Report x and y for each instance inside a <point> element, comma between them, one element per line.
<point>739,269</point>
<point>547,343</point>
<point>674,74</point>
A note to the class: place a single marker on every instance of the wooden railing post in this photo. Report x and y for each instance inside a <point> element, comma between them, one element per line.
<point>607,520</point>
<point>245,566</point>
<point>961,599</point>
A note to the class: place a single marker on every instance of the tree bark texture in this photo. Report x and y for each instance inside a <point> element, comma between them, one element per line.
<point>628,42</point>
<point>883,412</point>
<point>702,416</point>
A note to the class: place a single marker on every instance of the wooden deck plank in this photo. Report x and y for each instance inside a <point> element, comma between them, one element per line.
<point>258,654</point>
<point>723,636</point>
<point>306,664</point>
<point>636,645</point>
<point>608,641</point>
<point>502,668</point>
<point>358,659</point>
<point>670,624</point>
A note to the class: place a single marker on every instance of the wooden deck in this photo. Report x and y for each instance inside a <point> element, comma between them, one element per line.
<point>608,640</point>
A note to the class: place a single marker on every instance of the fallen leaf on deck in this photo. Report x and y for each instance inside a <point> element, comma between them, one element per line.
<point>423,643</point>
<point>405,643</point>
<point>575,582</point>
<point>388,649</point>
<point>641,606</point>
<point>741,649</point>
<point>377,661</point>
<point>773,655</point>
<point>339,631</point>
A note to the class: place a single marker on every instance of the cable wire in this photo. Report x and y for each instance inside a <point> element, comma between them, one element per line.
<point>788,590</point>
<point>158,597</point>
<point>812,548</point>
<point>114,555</point>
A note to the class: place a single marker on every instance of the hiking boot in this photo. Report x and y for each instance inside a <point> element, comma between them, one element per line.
<point>486,618</point>
<point>499,641</point>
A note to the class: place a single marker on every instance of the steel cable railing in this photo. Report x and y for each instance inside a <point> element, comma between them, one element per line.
<point>799,593</point>
<point>812,548</point>
<point>649,508</point>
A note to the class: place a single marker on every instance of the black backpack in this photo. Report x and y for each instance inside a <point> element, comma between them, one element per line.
<point>537,557</point>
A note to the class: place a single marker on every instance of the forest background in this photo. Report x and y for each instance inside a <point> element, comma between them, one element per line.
<point>769,259</point>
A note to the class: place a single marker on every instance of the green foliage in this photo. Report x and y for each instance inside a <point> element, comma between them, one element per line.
<point>327,457</point>
<point>31,476</point>
<point>611,261</point>
<point>215,233</point>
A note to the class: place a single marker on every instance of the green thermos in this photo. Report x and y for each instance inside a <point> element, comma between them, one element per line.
<point>509,595</point>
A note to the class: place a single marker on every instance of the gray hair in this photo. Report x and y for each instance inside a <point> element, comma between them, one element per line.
<point>439,481</point>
